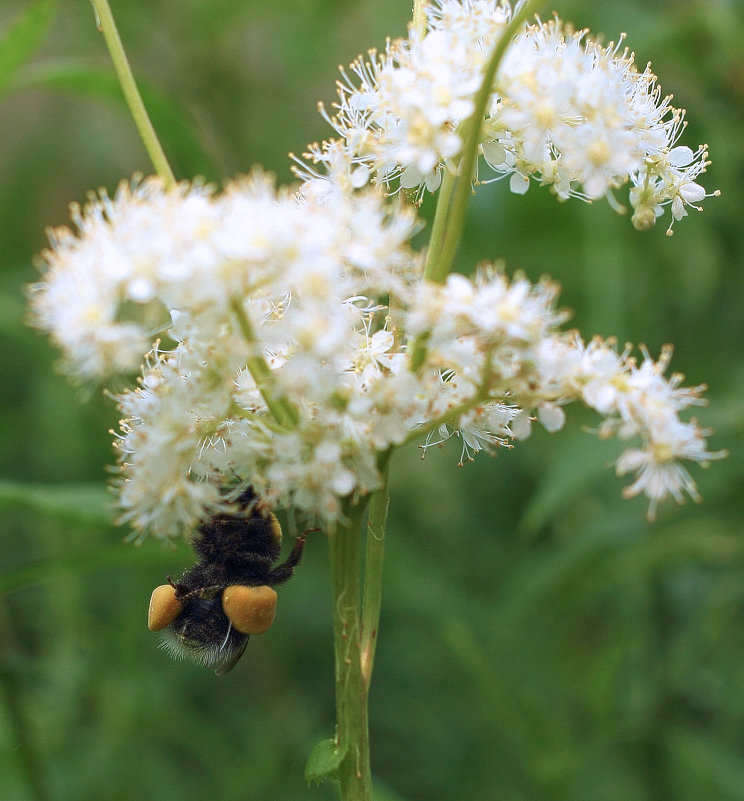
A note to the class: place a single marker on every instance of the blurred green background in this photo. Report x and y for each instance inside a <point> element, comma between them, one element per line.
<point>539,640</point>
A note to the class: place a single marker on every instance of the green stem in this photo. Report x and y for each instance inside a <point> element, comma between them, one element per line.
<point>373,560</point>
<point>451,416</point>
<point>439,226</point>
<point>438,233</point>
<point>439,262</point>
<point>352,728</point>
<point>355,626</point>
<point>131,93</point>
<point>236,410</point>
<point>281,409</point>
<point>419,17</point>
<point>454,194</point>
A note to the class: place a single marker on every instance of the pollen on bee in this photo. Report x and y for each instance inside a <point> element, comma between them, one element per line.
<point>251,610</point>
<point>276,528</point>
<point>164,607</point>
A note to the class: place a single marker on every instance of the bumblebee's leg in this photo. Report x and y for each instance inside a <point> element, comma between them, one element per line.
<point>182,591</point>
<point>285,570</point>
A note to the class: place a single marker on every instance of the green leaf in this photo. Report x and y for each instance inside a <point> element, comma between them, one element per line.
<point>173,123</point>
<point>324,762</point>
<point>80,503</point>
<point>24,38</point>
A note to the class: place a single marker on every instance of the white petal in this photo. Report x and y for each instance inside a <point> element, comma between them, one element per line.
<point>521,426</point>
<point>494,153</point>
<point>551,416</point>
<point>680,156</point>
<point>519,184</point>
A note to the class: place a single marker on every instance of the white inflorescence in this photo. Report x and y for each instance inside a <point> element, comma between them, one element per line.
<point>564,111</point>
<point>303,339</point>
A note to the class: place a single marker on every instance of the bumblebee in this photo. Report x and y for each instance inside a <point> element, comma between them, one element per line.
<point>213,608</point>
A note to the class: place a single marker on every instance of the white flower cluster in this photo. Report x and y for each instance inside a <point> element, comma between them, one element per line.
<point>267,295</point>
<point>496,343</point>
<point>563,112</point>
<point>288,339</point>
<point>638,403</point>
<point>288,373</point>
<point>136,257</point>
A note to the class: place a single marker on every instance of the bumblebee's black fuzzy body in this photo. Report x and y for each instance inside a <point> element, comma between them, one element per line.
<point>232,549</point>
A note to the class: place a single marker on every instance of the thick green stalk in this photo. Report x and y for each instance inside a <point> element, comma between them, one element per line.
<point>131,93</point>
<point>355,626</point>
<point>373,560</point>
<point>439,261</point>
<point>449,218</point>
<point>418,19</point>
<point>439,226</point>
<point>352,729</point>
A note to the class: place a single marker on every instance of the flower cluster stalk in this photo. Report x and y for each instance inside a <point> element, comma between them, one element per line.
<point>373,561</point>
<point>352,727</point>
<point>356,616</point>
<point>439,261</point>
<point>137,108</point>
<point>454,194</point>
<point>418,18</point>
<point>281,409</point>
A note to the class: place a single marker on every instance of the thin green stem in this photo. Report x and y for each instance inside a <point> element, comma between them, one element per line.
<point>418,350</point>
<point>373,560</point>
<point>419,17</point>
<point>438,233</point>
<point>439,226</point>
<point>439,263</point>
<point>236,410</point>
<point>281,409</point>
<point>131,93</point>
<point>454,194</point>
<point>452,415</point>
<point>352,728</point>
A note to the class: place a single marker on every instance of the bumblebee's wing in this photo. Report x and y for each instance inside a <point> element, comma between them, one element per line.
<point>230,660</point>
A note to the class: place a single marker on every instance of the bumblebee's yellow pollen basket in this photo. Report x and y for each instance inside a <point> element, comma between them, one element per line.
<point>164,607</point>
<point>251,610</point>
